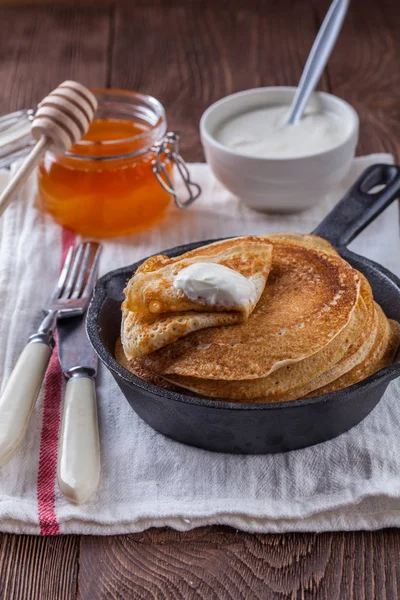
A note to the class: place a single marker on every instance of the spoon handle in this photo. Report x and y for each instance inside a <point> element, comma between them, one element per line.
<point>318,57</point>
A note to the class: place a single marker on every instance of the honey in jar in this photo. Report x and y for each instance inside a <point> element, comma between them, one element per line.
<point>105,185</point>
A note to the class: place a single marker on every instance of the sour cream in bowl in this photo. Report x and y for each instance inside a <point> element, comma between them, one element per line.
<point>273,166</point>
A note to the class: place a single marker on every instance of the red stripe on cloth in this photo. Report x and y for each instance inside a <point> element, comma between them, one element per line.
<point>46,486</point>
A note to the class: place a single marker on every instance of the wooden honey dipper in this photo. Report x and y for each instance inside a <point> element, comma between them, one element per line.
<point>62,118</point>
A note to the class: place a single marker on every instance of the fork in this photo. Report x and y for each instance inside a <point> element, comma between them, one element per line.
<point>70,298</point>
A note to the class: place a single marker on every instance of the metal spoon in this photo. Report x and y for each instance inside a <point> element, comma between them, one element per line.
<point>318,57</point>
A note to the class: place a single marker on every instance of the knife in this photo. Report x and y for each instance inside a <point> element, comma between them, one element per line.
<point>78,470</point>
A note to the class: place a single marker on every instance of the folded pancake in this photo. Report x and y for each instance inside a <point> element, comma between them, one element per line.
<point>151,290</point>
<point>143,334</point>
<point>308,301</point>
<point>157,313</point>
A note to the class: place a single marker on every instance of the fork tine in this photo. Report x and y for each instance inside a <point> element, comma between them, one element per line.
<point>73,272</point>
<point>83,271</point>
<point>87,290</point>
<point>64,273</point>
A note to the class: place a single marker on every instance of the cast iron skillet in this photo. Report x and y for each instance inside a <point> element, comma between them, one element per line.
<point>261,428</point>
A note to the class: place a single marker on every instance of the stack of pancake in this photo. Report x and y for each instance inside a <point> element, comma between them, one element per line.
<point>313,329</point>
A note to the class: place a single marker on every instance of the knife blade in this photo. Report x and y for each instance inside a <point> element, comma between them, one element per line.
<point>78,468</point>
<point>74,349</point>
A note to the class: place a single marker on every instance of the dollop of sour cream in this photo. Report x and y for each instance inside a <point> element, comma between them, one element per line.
<point>264,132</point>
<point>213,284</point>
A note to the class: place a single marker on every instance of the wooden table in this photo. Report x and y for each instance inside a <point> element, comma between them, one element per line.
<point>188,54</point>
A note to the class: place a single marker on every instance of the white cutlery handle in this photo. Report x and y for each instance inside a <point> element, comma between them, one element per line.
<point>19,396</point>
<point>79,451</point>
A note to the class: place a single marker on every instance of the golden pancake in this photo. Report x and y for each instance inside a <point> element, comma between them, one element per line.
<point>277,386</point>
<point>350,360</point>
<point>151,289</point>
<point>307,240</point>
<point>356,352</point>
<point>308,300</point>
<point>388,356</point>
<point>136,367</point>
<point>366,366</point>
<point>381,355</point>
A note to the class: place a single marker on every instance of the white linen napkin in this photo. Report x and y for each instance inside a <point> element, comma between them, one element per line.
<point>147,480</point>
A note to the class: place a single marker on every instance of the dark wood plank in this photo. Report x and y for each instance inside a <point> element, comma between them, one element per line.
<point>38,568</point>
<point>42,46</point>
<point>220,563</point>
<point>364,70</point>
<point>189,54</point>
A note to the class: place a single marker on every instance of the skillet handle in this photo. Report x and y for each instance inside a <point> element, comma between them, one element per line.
<point>359,207</point>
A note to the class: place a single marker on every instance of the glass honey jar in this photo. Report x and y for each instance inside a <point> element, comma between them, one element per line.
<point>119,178</point>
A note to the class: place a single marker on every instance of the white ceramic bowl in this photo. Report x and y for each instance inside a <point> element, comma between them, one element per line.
<point>282,184</point>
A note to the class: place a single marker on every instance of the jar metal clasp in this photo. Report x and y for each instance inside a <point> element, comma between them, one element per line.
<point>167,153</point>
